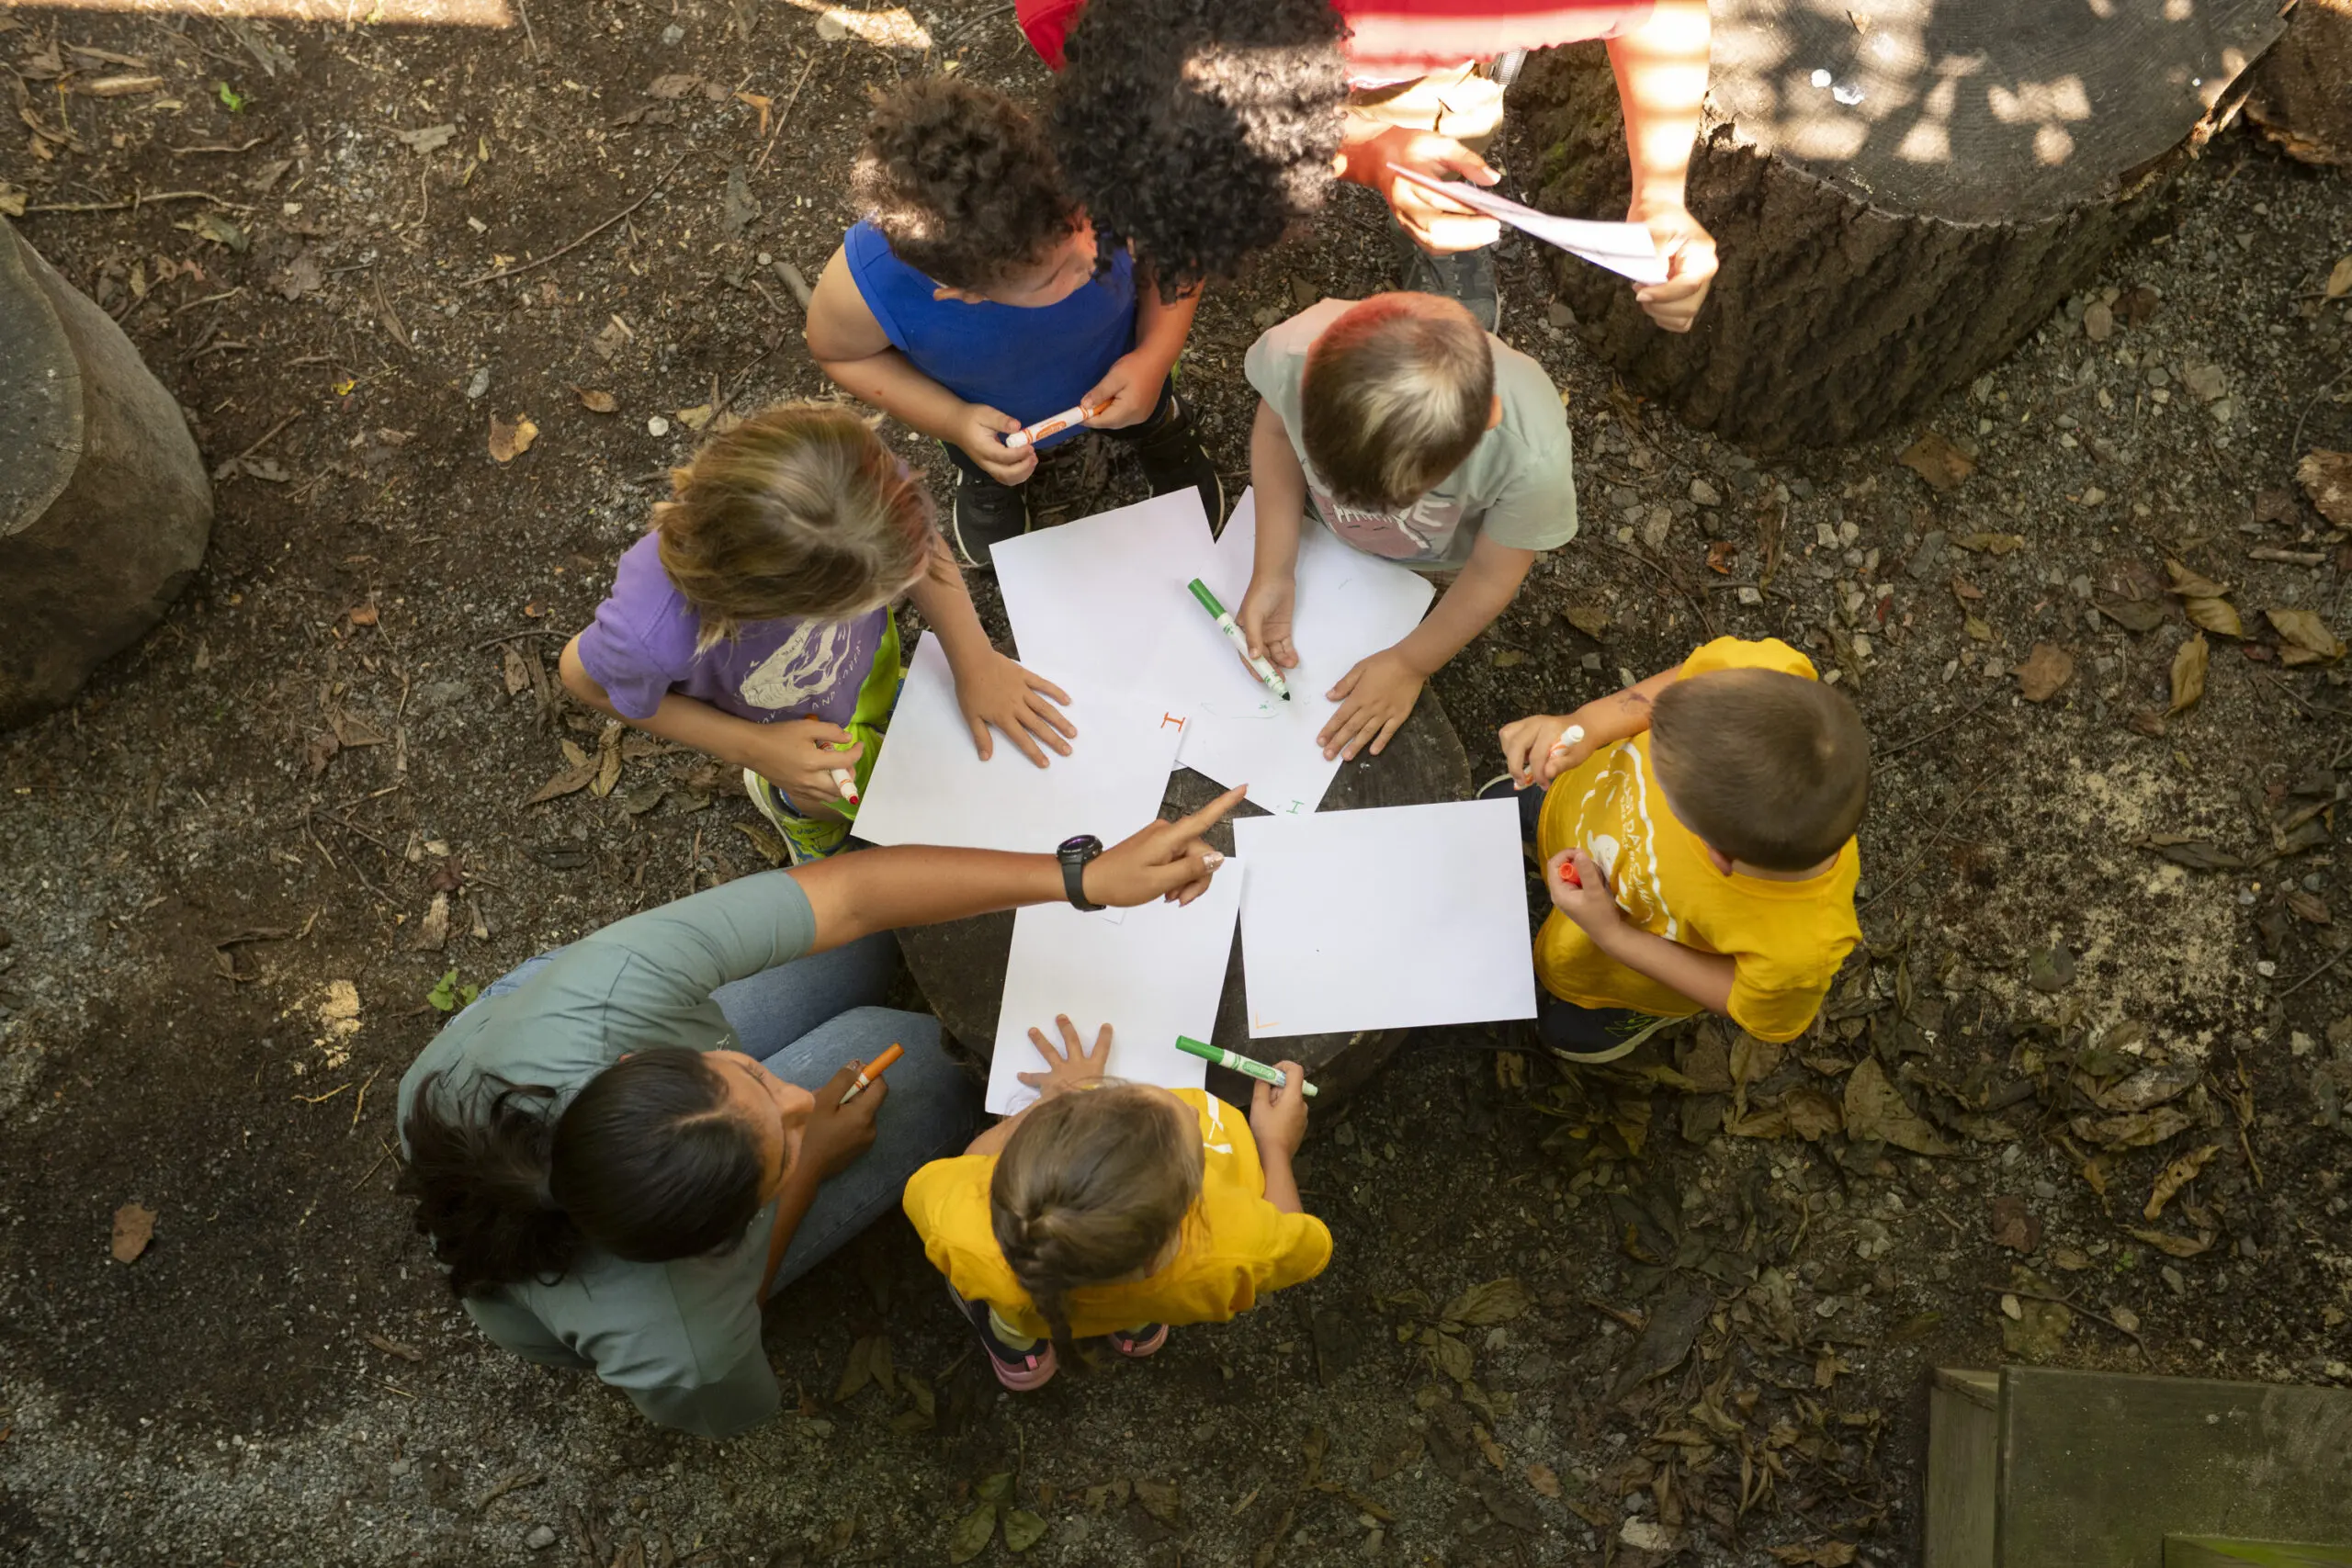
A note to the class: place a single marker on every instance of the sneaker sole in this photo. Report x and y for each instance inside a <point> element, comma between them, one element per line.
<point>1623,1048</point>
<point>1137,1349</point>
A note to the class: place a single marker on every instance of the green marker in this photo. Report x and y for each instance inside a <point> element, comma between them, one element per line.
<point>1242,1064</point>
<point>1263,669</point>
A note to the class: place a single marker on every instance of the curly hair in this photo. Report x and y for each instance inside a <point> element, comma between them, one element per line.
<point>1200,132</point>
<point>960,181</point>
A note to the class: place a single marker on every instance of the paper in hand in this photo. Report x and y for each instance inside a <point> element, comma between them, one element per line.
<point>1623,248</point>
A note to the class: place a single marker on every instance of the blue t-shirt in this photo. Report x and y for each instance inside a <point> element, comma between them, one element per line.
<point>1030,363</point>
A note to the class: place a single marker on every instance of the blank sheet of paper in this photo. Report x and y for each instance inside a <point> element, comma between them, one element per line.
<point>1349,604</point>
<point>1154,976</point>
<point>1098,593</point>
<point>931,787</point>
<point>1626,249</point>
<point>1386,918</point>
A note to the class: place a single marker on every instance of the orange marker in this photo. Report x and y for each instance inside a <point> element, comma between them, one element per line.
<point>868,1071</point>
<point>1063,420</point>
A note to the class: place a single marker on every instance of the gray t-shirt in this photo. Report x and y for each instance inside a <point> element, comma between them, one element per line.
<point>1516,486</point>
<point>683,1339</point>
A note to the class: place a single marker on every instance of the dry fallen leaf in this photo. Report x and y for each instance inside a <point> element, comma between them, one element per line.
<point>571,780</point>
<point>1876,1108</point>
<point>433,931</point>
<point>2326,477</point>
<point>431,139</point>
<point>2175,1177</point>
<point>2189,662</point>
<point>1589,619</point>
<point>597,403</point>
<point>2307,638</point>
<point>508,442</point>
<point>1938,461</point>
<point>2013,1226</point>
<point>134,1228</point>
<point>2339,279</point>
<point>117,86</point>
<point>2045,670</point>
<point>363,614</point>
<point>1541,1478</point>
<point>676,84</point>
<point>695,417</point>
<point>2174,1246</point>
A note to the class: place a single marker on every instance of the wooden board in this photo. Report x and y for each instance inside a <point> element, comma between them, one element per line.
<point>2213,1551</point>
<point>960,965</point>
<point>2097,1468</point>
<point>1963,1467</point>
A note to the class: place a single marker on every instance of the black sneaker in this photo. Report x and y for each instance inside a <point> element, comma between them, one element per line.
<point>1502,786</point>
<point>1465,276</point>
<point>986,514</point>
<point>1172,459</point>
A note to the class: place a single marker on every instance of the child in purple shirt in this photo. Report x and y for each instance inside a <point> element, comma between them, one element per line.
<point>753,622</point>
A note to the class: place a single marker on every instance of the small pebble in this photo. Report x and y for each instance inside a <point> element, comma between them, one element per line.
<point>1705,494</point>
<point>672,34</point>
<point>543,1536</point>
<point>657,425</point>
<point>478,385</point>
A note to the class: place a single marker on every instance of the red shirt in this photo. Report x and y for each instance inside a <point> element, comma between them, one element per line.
<point>1390,39</point>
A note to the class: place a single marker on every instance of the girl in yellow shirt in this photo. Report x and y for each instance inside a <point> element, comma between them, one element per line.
<point>1116,1210</point>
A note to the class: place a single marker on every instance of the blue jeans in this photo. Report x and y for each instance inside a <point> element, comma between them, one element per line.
<point>803,1021</point>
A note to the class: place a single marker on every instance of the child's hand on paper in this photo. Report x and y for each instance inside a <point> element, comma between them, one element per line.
<point>1690,253</point>
<point>1167,860</point>
<point>1003,694</point>
<point>981,432</point>
<point>1374,697</point>
<point>1129,391</point>
<point>1366,150</point>
<point>1278,1116</point>
<point>799,756</point>
<point>1070,1067</point>
<point>1526,748</point>
<point>1264,619</point>
<point>1589,903</point>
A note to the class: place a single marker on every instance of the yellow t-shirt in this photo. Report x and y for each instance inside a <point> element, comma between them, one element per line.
<point>1236,1243</point>
<point>1786,939</point>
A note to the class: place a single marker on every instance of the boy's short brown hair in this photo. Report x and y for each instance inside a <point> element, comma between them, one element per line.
<point>960,183</point>
<point>1396,395</point>
<point>1765,766</point>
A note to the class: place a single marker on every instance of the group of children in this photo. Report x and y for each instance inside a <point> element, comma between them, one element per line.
<point>1695,830</point>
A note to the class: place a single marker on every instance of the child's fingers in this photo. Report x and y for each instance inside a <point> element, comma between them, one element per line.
<point>1380,741</point>
<point>981,741</point>
<point>1040,684</point>
<point>1035,724</point>
<point>1043,712</point>
<point>1029,749</point>
<point>1208,817</point>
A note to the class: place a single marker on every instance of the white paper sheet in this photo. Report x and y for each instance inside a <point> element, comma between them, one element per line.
<point>1099,593</point>
<point>931,787</point>
<point>1155,976</point>
<point>1349,604</point>
<point>1623,248</point>
<point>1385,918</point>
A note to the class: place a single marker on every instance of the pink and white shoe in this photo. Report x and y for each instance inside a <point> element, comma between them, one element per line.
<point>1138,1343</point>
<point>1017,1369</point>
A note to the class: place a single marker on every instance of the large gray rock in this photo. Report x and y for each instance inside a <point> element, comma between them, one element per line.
<point>960,966</point>
<point>103,504</point>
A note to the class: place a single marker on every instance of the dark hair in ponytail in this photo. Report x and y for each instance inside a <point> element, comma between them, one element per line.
<point>649,1162</point>
<point>1088,1189</point>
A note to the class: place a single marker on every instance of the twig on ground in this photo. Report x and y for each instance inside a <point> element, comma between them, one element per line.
<point>659,181</point>
<point>968,23</point>
<point>230,467</point>
<point>130,203</point>
<point>2294,441</point>
<point>1696,601</point>
<point>785,113</point>
<point>1902,746</point>
<point>1934,840</point>
<point>517,636</point>
<point>2315,974</point>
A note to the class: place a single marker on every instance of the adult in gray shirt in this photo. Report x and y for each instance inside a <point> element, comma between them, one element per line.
<point>617,1151</point>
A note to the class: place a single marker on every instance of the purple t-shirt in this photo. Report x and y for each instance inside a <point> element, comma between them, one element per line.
<point>641,646</point>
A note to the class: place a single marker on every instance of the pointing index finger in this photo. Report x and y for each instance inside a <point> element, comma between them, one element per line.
<point>1208,816</point>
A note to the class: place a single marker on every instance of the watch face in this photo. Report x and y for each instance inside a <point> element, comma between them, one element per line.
<point>1079,844</point>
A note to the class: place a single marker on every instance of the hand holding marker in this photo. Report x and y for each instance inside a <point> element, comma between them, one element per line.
<point>1232,1062</point>
<point>1569,738</point>
<point>1261,668</point>
<point>1031,435</point>
<point>868,1071</point>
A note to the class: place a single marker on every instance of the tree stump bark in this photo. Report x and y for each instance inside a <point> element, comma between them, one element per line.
<point>104,503</point>
<point>2303,88</point>
<point>1901,189</point>
<point>960,965</point>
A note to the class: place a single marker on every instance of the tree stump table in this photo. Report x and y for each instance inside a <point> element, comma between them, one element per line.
<point>1901,189</point>
<point>2303,88</point>
<point>103,504</point>
<point>960,965</point>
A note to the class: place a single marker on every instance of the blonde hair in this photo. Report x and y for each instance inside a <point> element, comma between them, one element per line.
<point>1091,1187</point>
<point>1396,395</point>
<point>800,510</point>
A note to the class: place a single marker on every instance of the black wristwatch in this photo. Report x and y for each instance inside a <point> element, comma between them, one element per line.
<point>1074,853</point>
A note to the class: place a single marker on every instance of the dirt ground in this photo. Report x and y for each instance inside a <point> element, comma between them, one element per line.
<point>1684,1310</point>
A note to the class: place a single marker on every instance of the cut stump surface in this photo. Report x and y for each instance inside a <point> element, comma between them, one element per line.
<point>960,965</point>
<point>1901,190</point>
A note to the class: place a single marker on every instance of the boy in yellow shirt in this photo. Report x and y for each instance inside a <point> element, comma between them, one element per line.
<point>1698,845</point>
<point>1115,1209</point>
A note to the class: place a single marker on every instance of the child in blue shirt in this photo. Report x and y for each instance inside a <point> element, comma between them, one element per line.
<point>971,301</point>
